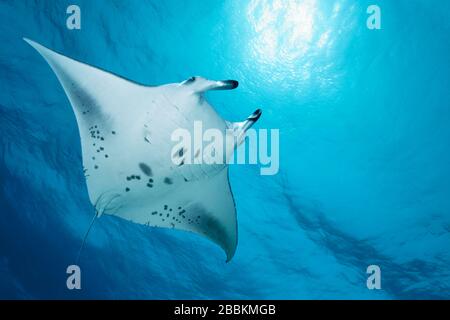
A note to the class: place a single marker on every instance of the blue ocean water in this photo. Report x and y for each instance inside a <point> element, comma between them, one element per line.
<point>364,149</point>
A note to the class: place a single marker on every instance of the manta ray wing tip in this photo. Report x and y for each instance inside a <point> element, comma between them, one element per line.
<point>32,43</point>
<point>230,253</point>
<point>29,41</point>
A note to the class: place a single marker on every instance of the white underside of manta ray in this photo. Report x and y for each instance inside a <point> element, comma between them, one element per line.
<point>125,131</point>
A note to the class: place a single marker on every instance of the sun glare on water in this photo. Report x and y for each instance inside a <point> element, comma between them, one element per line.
<point>284,28</point>
<point>288,38</point>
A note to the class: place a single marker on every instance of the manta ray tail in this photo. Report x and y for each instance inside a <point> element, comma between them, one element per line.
<point>85,236</point>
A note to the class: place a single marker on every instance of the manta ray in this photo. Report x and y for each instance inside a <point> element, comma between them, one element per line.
<point>125,129</point>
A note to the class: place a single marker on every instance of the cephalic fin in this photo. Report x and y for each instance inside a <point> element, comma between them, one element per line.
<point>201,85</point>
<point>240,128</point>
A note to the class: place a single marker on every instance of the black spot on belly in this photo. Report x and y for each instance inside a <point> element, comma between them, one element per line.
<point>168,180</point>
<point>154,213</point>
<point>145,169</point>
<point>127,189</point>
<point>113,132</point>
<point>95,167</point>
